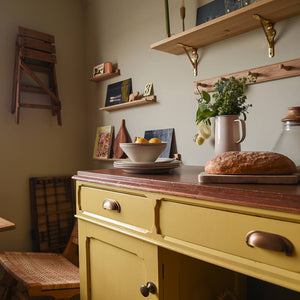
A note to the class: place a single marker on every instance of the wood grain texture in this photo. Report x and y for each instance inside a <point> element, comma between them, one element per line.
<point>229,25</point>
<point>142,101</point>
<point>284,69</point>
<point>184,182</point>
<point>6,225</point>
<point>122,137</point>
<point>259,179</point>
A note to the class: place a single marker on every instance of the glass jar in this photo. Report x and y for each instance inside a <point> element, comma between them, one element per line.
<point>289,140</point>
<point>248,2</point>
<point>231,5</point>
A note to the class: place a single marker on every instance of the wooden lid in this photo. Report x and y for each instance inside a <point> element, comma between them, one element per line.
<point>293,114</point>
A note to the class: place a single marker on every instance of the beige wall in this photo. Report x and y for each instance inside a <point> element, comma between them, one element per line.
<point>38,146</point>
<point>122,32</point>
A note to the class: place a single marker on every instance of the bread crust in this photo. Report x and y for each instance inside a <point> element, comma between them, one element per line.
<point>250,163</point>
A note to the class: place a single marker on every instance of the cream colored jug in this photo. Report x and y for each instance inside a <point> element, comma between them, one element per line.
<point>230,131</point>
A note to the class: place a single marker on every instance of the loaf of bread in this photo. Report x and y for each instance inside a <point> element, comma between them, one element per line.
<point>250,163</point>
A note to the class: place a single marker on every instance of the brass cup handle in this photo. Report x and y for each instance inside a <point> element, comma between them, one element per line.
<point>111,204</point>
<point>269,241</point>
<point>148,288</point>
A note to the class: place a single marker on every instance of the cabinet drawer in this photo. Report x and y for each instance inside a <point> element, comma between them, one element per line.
<point>226,231</point>
<point>136,211</point>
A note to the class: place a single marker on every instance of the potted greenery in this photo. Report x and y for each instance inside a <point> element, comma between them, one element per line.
<point>229,104</point>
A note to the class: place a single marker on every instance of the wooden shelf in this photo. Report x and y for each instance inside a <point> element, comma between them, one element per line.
<point>105,76</point>
<point>229,25</point>
<point>145,100</point>
<point>111,159</point>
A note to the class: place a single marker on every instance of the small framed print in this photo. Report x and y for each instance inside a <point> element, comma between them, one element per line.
<point>98,70</point>
<point>148,89</point>
<point>103,142</point>
<point>118,92</point>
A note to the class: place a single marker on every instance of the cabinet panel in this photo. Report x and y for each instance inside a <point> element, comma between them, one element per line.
<point>134,210</point>
<point>114,266</point>
<point>226,231</point>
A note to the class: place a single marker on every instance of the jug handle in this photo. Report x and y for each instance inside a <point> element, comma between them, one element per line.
<point>243,129</point>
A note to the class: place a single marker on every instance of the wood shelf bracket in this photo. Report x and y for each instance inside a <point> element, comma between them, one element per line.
<point>269,31</point>
<point>193,57</point>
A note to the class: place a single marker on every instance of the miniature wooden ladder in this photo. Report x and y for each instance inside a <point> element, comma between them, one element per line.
<point>35,53</point>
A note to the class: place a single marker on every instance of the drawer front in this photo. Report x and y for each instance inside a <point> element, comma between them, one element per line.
<point>226,231</point>
<point>116,208</point>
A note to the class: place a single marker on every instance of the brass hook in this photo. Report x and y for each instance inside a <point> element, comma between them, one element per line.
<point>193,57</point>
<point>269,31</point>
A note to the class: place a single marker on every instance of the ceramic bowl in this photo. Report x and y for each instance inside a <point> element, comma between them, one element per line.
<point>143,152</point>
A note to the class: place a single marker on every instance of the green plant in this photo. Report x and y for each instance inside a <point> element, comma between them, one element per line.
<point>229,98</point>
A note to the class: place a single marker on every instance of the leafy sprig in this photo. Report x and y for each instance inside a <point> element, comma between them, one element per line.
<point>230,99</point>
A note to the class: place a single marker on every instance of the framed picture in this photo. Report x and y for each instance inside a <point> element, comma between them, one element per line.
<point>98,70</point>
<point>166,136</point>
<point>103,142</point>
<point>148,89</point>
<point>118,92</point>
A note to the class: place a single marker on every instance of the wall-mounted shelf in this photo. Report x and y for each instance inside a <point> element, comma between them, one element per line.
<point>111,159</point>
<point>279,70</point>
<point>105,76</point>
<point>142,101</point>
<point>229,25</point>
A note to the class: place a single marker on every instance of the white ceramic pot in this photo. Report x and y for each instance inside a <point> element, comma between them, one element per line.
<point>230,131</point>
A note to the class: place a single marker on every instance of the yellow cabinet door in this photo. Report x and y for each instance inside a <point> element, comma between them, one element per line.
<point>114,266</point>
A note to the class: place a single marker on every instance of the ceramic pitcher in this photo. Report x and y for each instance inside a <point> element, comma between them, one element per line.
<point>230,131</point>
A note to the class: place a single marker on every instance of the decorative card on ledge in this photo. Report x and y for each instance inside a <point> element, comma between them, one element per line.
<point>103,142</point>
<point>210,10</point>
<point>118,92</point>
<point>165,135</point>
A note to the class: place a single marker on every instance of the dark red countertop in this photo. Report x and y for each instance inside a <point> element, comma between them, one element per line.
<point>184,182</point>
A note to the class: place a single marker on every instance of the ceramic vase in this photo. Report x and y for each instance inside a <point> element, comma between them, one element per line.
<point>230,131</point>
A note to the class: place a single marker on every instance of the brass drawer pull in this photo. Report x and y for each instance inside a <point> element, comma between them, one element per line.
<point>269,241</point>
<point>110,204</point>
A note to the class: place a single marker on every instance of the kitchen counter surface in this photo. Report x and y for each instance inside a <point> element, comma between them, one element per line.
<point>183,182</point>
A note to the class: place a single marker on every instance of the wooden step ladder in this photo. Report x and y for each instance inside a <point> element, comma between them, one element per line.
<point>35,54</point>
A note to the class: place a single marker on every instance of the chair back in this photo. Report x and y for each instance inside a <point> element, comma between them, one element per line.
<point>71,250</point>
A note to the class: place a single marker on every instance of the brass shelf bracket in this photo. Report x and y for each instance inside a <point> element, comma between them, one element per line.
<point>269,31</point>
<point>193,57</point>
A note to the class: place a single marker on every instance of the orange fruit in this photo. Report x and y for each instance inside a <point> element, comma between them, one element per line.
<point>140,140</point>
<point>155,140</point>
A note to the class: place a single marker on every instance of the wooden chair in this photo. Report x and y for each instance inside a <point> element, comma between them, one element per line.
<point>29,274</point>
<point>52,201</point>
<point>35,54</point>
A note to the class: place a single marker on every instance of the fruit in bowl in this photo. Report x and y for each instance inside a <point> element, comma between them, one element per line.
<point>140,140</point>
<point>143,150</point>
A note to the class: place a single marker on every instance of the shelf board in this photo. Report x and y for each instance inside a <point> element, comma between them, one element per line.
<point>105,76</point>
<point>110,159</point>
<point>275,71</point>
<point>229,25</point>
<point>266,73</point>
<point>144,100</point>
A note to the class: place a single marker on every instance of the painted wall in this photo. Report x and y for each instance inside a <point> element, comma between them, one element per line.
<point>122,32</point>
<point>38,146</point>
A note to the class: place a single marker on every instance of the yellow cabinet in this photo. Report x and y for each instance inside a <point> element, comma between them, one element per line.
<point>114,266</point>
<point>136,244</point>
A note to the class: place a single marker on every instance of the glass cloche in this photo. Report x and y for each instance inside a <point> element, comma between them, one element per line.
<point>289,140</point>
